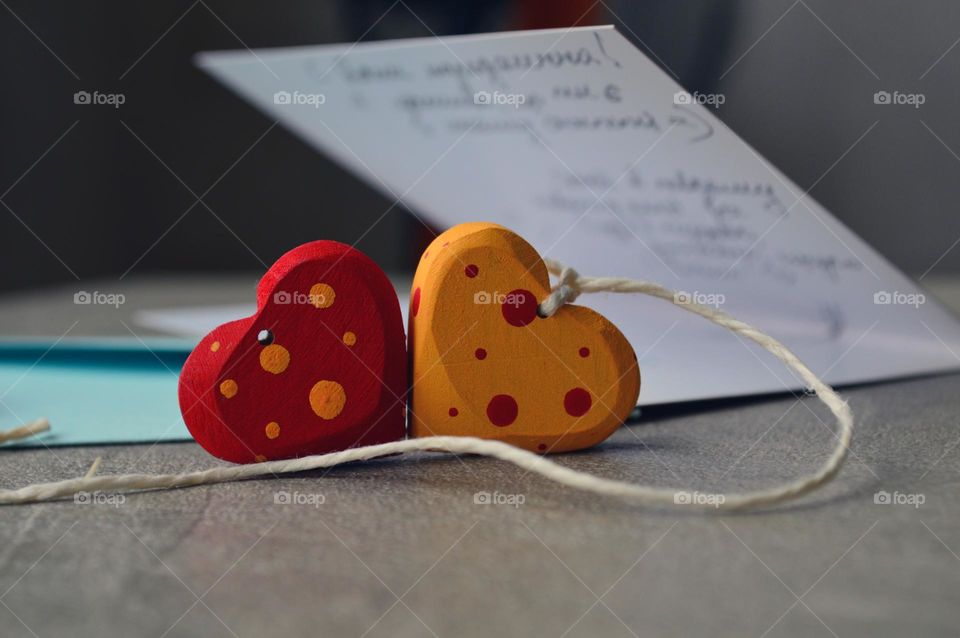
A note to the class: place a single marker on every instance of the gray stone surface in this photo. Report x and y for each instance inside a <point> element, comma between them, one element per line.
<point>398,547</point>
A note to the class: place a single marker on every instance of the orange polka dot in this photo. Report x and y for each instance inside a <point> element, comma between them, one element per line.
<point>274,358</point>
<point>259,458</point>
<point>228,388</point>
<point>322,295</point>
<point>272,430</point>
<point>327,398</point>
<point>214,346</point>
<point>349,338</point>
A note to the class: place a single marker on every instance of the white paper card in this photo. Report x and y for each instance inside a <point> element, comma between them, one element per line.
<point>577,141</point>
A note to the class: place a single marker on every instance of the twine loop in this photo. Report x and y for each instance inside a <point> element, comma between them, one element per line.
<point>569,286</point>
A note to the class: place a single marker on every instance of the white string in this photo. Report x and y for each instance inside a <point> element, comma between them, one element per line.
<point>24,431</point>
<point>569,287</point>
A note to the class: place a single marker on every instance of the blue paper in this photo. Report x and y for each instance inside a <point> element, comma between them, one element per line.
<point>93,391</point>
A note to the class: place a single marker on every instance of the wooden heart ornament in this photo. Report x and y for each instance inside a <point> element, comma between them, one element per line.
<point>320,367</point>
<point>486,365</point>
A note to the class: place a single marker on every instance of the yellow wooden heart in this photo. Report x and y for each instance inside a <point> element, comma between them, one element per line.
<point>486,365</point>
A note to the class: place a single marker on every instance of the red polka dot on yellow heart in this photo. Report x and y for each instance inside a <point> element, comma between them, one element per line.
<point>327,398</point>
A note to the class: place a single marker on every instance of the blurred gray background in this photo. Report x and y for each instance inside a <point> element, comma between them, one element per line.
<point>102,192</point>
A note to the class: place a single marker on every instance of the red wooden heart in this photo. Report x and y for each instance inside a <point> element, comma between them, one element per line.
<point>320,367</point>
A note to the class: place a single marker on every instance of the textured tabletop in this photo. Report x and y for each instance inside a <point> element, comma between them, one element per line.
<point>402,547</point>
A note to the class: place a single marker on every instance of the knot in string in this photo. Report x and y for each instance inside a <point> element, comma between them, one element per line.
<point>566,291</point>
